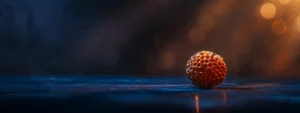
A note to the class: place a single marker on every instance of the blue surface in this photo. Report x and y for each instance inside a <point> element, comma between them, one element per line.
<point>81,94</point>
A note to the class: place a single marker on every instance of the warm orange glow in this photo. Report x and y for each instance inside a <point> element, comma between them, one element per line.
<point>290,23</point>
<point>206,22</point>
<point>268,10</point>
<point>284,1</point>
<point>279,27</point>
<point>296,1</point>
<point>298,23</point>
<point>167,60</point>
<point>196,36</point>
<point>197,103</point>
<point>280,62</point>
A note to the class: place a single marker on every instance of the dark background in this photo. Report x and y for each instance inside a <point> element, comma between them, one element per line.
<point>145,37</point>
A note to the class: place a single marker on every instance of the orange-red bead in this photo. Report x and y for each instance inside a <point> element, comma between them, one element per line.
<point>206,69</point>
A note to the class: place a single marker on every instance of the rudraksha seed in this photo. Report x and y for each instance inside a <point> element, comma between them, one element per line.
<point>206,69</point>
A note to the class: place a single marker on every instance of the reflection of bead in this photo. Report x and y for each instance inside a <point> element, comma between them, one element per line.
<point>206,69</point>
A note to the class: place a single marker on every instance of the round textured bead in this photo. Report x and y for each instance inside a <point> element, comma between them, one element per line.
<point>206,69</point>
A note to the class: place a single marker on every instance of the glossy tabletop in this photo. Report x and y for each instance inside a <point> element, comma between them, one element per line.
<point>134,94</point>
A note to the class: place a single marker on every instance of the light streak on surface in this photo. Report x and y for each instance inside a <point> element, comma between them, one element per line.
<point>197,103</point>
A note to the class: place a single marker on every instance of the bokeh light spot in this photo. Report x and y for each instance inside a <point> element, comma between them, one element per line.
<point>284,1</point>
<point>268,10</point>
<point>279,27</point>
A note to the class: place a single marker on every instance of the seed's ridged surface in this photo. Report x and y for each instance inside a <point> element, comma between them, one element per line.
<point>206,69</point>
